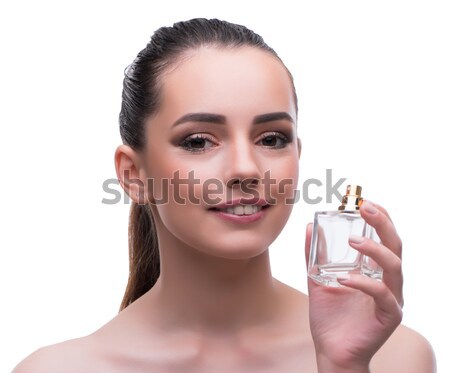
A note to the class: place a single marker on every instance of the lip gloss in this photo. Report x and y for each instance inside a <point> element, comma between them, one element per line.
<point>240,219</point>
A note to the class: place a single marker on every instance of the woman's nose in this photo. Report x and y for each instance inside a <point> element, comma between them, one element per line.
<point>242,166</point>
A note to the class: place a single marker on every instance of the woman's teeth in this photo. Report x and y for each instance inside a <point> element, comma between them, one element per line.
<point>242,209</point>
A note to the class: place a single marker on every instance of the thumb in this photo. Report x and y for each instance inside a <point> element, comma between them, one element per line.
<point>311,283</point>
<point>308,242</point>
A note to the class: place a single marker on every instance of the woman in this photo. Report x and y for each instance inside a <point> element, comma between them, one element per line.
<point>210,159</point>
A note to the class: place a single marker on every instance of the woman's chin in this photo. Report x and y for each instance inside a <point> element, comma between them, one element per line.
<point>238,251</point>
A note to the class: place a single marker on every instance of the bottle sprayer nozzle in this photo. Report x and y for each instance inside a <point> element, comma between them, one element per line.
<point>352,199</point>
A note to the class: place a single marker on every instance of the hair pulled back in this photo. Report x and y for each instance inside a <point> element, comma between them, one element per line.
<point>140,100</point>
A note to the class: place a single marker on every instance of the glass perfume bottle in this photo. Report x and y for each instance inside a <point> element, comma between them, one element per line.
<point>331,254</point>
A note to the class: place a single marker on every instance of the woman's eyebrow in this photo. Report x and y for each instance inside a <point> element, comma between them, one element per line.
<point>221,119</point>
<point>271,117</point>
<point>201,117</point>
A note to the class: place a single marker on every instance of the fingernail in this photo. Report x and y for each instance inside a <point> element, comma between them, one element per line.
<point>355,239</point>
<point>369,207</point>
<point>342,276</point>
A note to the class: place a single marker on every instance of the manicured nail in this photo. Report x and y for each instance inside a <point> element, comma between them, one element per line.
<point>355,239</point>
<point>342,276</point>
<point>369,207</point>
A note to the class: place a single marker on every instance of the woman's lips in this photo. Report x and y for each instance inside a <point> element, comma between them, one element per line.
<point>242,219</point>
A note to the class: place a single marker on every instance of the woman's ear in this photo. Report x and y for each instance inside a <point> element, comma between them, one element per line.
<point>129,173</point>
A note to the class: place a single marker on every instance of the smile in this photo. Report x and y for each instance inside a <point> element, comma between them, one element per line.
<point>241,214</point>
<point>241,209</point>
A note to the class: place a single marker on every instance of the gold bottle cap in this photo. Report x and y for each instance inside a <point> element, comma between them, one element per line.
<point>352,199</point>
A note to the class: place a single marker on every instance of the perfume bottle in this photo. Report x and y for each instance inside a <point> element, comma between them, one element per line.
<point>331,253</point>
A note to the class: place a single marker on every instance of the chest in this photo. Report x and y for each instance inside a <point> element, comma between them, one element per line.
<point>219,356</point>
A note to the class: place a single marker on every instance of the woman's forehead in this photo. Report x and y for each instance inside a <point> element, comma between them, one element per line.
<point>230,78</point>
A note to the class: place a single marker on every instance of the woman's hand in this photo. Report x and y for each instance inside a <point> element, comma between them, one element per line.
<point>349,324</point>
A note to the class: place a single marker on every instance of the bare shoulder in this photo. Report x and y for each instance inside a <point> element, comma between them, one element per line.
<point>405,351</point>
<point>74,355</point>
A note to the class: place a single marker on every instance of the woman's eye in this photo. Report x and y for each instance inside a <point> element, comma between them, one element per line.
<point>197,143</point>
<point>274,140</point>
<point>201,142</point>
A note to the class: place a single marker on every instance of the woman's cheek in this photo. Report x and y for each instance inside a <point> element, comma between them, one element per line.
<point>285,183</point>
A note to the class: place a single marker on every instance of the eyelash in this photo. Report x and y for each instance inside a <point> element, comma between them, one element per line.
<point>202,136</point>
<point>198,136</point>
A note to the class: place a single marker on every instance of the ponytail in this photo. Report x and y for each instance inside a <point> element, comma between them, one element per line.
<point>143,253</point>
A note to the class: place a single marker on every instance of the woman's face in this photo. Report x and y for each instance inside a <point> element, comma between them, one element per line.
<point>226,115</point>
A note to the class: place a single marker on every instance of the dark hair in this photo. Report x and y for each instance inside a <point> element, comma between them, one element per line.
<point>140,99</point>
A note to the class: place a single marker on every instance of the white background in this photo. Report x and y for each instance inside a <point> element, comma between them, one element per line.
<point>373,80</point>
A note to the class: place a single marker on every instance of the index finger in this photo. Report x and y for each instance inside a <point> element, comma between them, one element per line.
<point>377,217</point>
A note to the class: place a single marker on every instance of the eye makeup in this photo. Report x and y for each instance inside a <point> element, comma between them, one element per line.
<point>199,137</point>
<point>200,142</point>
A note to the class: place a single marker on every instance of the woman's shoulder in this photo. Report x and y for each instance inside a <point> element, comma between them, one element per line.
<point>108,349</point>
<point>405,351</point>
<point>75,355</point>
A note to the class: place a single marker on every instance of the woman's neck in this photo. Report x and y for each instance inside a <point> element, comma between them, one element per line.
<point>199,292</point>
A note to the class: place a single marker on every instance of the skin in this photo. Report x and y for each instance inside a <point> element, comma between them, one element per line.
<point>216,306</point>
